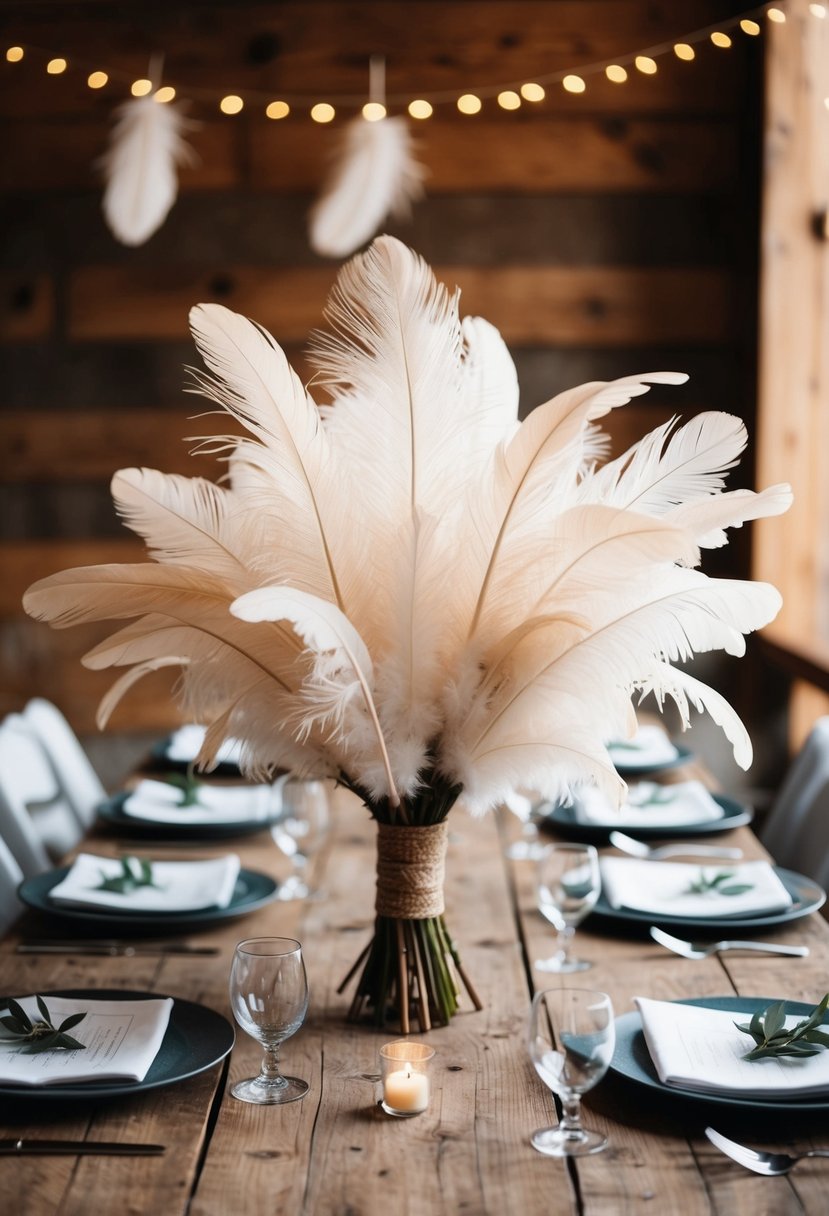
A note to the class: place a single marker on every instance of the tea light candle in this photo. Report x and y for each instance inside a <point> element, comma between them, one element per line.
<point>405,1077</point>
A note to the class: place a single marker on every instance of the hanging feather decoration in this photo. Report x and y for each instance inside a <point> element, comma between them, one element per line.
<point>374,175</point>
<point>146,145</point>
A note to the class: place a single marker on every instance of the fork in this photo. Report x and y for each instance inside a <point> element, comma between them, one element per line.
<point>769,1164</point>
<point>637,848</point>
<point>698,950</point>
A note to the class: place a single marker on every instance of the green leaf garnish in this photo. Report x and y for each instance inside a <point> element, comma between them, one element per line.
<point>772,1039</point>
<point>718,883</point>
<point>136,872</point>
<point>188,785</point>
<point>35,1037</point>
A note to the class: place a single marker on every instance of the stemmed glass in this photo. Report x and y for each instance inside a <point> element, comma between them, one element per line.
<point>269,998</point>
<point>529,846</point>
<point>300,830</point>
<point>569,884</point>
<point>572,1035</point>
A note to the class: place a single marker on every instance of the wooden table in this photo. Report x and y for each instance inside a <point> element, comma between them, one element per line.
<point>335,1151</point>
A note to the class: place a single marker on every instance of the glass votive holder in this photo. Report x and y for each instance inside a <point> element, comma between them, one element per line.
<point>405,1075</point>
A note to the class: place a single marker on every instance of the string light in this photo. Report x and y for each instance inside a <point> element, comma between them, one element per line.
<point>97,80</point>
<point>14,54</point>
<point>616,73</point>
<point>419,108</point>
<point>776,14</point>
<point>685,52</point>
<point>140,88</point>
<point>373,111</point>
<point>749,27</point>
<point>165,94</point>
<point>322,112</point>
<point>645,64</point>
<point>720,39</point>
<point>55,66</point>
<point>231,104</point>
<point>509,100</point>
<point>817,10</point>
<point>532,92</point>
<point>278,109</point>
<point>573,84</point>
<point>469,103</point>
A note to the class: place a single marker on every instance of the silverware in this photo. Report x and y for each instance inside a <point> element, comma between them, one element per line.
<point>761,1162</point>
<point>705,950</point>
<point>637,848</point>
<point>106,1148</point>
<point>111,949</point>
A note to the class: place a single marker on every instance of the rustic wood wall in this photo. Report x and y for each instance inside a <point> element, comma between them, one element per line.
<point>604,234</point>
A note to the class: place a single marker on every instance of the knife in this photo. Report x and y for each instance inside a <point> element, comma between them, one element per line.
<point>107,1148</point>
<point>110,949</point>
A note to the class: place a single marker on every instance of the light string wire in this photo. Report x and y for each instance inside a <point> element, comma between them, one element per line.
<point>772,12</point>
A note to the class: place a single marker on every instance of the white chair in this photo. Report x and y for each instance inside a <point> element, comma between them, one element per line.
<point>796,832</point>
<point>36,823</point>
<point>79,783</point>
<point>10,877</point>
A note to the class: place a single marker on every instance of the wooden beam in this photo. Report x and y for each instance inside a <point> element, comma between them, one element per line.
<point>26,307</point>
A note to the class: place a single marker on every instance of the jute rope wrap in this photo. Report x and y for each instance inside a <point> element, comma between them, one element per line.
<point>410,869</point>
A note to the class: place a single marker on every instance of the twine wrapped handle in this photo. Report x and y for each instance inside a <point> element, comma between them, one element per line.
<point>410,870</point>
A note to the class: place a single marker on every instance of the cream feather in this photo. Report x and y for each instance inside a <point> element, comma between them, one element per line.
<point>374,175</point>
<point>146,145</point>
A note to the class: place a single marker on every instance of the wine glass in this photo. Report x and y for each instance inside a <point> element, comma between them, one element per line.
<point>572,1035</point>
<point>568,887</point>
<point>269,998</point>
<point>529,846</point>
<point>300,830</point>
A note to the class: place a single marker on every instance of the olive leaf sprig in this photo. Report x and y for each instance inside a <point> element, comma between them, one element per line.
<point>719,884</point>
<point>189,786</point>
<point>136,872</point>
<point>40,1035</point>
<point>772,1037</point>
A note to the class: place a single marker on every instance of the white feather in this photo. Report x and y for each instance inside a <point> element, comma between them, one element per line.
<point>139,166</point>
<point>374,175</point>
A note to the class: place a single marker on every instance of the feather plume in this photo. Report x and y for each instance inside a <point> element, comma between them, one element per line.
<point>139,166</point>
<point>374,175</point>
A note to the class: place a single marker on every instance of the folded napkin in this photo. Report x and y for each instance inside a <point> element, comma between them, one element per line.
<point>649,805</point>
<point>185,743</point>
<point>182,886</point>
<point>121,1040</point>
<point>662,888</point>
<point>160,802</point>
<point>697,1048</point>
<point>650,746</point>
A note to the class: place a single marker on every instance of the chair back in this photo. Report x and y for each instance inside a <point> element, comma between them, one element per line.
<point>796,832</point>
<point>36,823</point>
<point>80,784</point>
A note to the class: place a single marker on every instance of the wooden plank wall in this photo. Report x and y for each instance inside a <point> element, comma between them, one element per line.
<point>604,234</point>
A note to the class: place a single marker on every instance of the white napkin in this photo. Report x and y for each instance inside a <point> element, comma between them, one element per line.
<point>160,802</point>
<point>650,746</point>
<point>698,1048</point>
<point>661,887</point>
<point>185,744</point>
<point>182,886</point>
<point>121,1040</point>
<point>649,805</point>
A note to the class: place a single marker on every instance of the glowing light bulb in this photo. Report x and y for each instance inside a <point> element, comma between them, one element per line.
<point>749,27</point>
<point>14,54</point>
<point>164,95</point>
<point>97,80</point>
<point>231,104</point>
<point>278,109</point>
<point>322,112</point>
<point>573,84</point>
<point>420,108</point>
<point>532,92</point>
<point>509,100</point>
<point>140,88</point>
<point>720,39</point>
<point>616,73</point>
<point>645,64</point>
<point>55,66</point>
<point>776,14</point>
<point>373,111</point>
<point>469,103</point>
<point>683,51</point>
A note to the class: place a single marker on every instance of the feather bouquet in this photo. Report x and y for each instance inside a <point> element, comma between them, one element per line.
<point>409,591</point>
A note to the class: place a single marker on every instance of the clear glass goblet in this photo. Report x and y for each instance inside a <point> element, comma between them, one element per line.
<point>531,812</point>
<point>572,1035</point>
<point>569,884</point>
<point>300,830</point>
<point>269,998</point>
